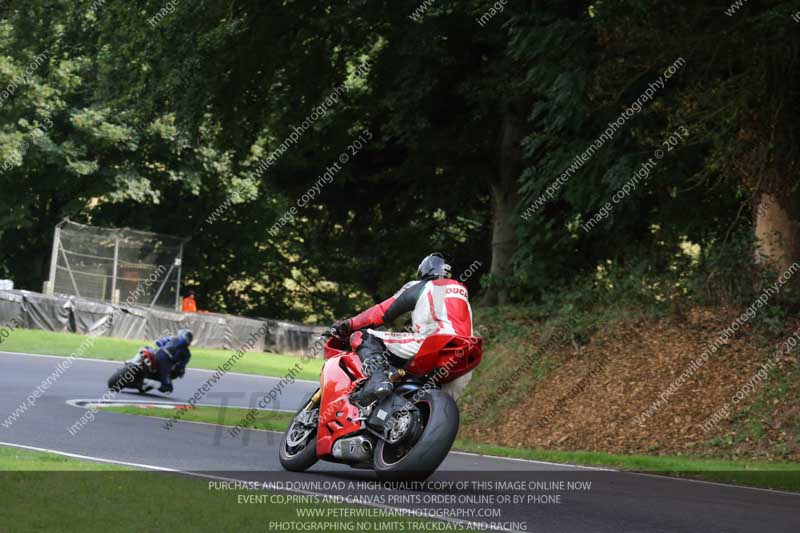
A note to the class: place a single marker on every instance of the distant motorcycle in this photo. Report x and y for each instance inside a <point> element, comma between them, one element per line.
<point>137,372</point>
<point>404,436</point>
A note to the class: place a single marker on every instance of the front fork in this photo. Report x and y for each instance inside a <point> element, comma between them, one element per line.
<point>305,417</point>
<point>313,401</point>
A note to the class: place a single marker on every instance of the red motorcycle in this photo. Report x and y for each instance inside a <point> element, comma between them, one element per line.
<point>406,435</point>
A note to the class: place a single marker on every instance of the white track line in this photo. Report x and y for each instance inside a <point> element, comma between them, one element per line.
<point>644,474</point>
<point>534,461</point>
<point>23,354</point>
<point>567,466</point>
<point>398,510</point>
<point>112,403</point>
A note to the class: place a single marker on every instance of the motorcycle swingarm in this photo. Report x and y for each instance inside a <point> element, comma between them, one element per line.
<point>386,409</point>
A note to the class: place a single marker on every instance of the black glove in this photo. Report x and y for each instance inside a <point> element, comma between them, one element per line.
<point>341,329</point>
<point>167,387</point>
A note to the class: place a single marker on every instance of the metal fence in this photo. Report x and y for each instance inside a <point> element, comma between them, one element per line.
<point>32,310</point>
<point>108,263</point>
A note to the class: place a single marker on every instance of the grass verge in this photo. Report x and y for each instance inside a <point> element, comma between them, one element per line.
<point>266,420</point>
<point>66,344</point>
<point>49,492</point>
<point>779,475</point>
<point>16,459</point>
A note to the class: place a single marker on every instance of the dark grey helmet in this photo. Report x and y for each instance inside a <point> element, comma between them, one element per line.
<point>434,266</point>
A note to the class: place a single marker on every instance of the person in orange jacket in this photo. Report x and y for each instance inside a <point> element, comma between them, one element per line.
<point>189,303</point>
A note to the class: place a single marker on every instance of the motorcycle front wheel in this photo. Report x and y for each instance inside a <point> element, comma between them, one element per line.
<point>418,459</point>
<point>299,444</point>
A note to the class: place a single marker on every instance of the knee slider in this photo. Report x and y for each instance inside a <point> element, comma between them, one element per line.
<point>356,340</point>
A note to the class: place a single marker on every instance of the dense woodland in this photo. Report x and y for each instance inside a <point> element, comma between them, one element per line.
<point>225,121</point>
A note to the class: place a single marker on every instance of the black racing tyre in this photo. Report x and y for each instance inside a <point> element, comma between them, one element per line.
<point>416,461</point>
<point>298,451</point>
<point>127,376</point>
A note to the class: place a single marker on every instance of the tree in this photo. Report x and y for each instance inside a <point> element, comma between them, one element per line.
<point>227,124</point>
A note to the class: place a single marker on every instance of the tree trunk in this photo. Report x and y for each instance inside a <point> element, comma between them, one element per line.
<point>777,230</point>
<point>505,197</point>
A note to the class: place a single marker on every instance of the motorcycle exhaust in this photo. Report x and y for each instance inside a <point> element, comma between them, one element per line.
<point>354,449</point>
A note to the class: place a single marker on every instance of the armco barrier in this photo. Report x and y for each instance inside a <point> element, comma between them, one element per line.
<point>211,330</point>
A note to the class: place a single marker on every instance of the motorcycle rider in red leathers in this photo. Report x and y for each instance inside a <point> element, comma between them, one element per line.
<point>438,305</point>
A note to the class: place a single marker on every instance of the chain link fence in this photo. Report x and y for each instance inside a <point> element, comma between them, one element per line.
<point>108,263</point>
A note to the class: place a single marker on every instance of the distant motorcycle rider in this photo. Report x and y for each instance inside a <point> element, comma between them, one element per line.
<point>438,305</point>
<point>172,357</point>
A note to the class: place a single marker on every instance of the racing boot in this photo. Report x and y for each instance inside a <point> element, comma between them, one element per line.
<point>378,384</point>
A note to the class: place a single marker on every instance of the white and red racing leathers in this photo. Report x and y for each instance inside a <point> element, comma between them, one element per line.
<point>437,306</point>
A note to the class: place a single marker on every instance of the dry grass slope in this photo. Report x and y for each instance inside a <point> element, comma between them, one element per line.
<point>586,396</point>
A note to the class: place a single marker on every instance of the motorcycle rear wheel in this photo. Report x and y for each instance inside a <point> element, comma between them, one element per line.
<point>127,376</point>
<point>416,461</point>
<point>300,456</point>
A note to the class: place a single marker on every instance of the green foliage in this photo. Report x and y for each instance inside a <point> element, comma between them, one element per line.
<point>697,192</point>
<point>160,125</point>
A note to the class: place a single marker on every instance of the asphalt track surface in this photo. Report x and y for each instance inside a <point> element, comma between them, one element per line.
<point>617,502</point>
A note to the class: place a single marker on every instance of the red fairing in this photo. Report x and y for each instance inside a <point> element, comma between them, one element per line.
<point>151,358</point>
<point>333,348</point>
<point>449,356</point>
<point>372,316</point>
<point>337,417</point>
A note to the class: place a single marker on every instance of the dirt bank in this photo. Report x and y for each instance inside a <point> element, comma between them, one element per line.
<point>588,395</point>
